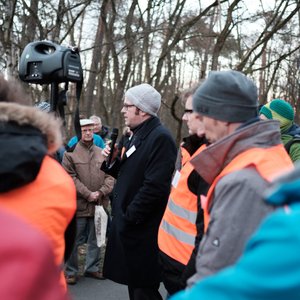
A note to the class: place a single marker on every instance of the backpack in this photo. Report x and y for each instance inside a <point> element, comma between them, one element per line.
<point>288,145</point>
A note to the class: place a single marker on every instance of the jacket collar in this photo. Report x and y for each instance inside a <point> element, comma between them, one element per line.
<point>86,145</point>
<point>145,128</point>
<point>141,132</point>
<point>212,160</point>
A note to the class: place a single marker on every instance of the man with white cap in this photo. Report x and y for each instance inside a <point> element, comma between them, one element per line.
<point>97,139</point>
<point>143,175</point>
<point>92,185</point>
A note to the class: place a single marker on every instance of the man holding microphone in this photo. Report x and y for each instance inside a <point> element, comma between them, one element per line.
<point>143,173</point>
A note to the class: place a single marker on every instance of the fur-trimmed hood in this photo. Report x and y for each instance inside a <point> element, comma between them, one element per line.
<point>26,136</point>
<point>26,115</point>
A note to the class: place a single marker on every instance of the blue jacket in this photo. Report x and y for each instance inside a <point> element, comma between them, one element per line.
<point>98,141</point>
<point>269,266</point>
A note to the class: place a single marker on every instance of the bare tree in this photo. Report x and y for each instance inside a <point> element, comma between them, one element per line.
<point>161,42</point>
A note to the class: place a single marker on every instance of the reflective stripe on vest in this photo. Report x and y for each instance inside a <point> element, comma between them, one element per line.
<point>182,212</point>
<point>181,235</point>
<point>269,163</point>
<point>177,232</point>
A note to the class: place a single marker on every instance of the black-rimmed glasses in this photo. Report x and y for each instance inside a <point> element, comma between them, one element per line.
<point>126,106</point>
<point>188,111</point>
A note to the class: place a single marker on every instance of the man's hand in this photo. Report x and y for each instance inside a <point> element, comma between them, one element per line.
<point>93,197</point>
<point>106,152</point>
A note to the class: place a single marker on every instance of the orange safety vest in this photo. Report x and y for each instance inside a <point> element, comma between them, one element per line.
<point>269,162</point>
<point>177,231</point>
<point>48,203</point>
<point>185,156</point>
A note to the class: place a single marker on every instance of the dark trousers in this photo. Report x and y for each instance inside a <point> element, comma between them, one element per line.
<point>149,293</point>
<point>172,274</point>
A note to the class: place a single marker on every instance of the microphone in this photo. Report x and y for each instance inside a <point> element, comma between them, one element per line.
<point>113,137</point>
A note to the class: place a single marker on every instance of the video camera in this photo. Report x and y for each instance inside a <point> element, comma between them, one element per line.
<point>45,62</point>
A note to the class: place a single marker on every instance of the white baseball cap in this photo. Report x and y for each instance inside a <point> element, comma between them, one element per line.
<point>85,122</point>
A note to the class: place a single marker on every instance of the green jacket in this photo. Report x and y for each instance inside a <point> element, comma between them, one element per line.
<point>294,151</point>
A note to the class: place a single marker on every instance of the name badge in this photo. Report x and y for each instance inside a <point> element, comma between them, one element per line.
<point>176,179</point>
<point>130,151</point>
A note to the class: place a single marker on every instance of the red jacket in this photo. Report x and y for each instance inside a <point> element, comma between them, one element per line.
<point>27,269</point>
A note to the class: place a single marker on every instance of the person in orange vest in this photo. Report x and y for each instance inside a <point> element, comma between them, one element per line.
<point>33,185</point>
<point>268,267</point>
<point>181,228</point>
<point>244,155</point>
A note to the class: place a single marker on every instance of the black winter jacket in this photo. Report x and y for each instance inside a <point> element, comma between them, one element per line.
<point>140,197</point>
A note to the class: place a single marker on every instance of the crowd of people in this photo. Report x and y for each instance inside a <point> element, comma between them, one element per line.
<point>216,218</point>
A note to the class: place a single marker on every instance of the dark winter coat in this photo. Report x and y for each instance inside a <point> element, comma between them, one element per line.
<point>140,198</point>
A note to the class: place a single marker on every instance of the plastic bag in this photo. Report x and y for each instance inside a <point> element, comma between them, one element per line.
<point>100,219</point>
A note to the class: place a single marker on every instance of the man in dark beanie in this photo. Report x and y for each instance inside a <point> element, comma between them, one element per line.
<point>244,155</point>
<point>143,172</point>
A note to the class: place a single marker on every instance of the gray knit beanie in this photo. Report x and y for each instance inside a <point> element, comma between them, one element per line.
<point>145,97</point>
<point>227,96</point>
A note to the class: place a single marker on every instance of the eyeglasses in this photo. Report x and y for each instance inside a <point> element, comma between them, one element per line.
<point>188,111</point>
<point>86,130</point>
<point>126,106</point>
